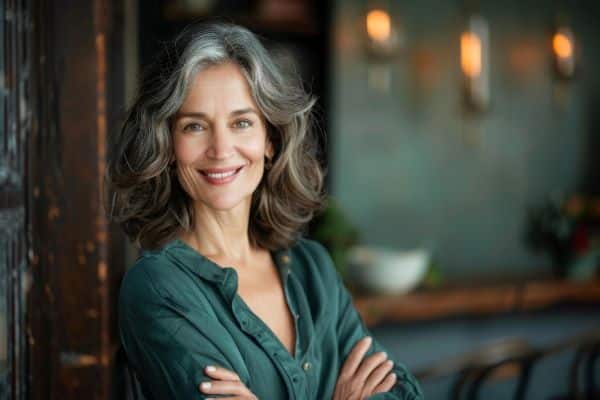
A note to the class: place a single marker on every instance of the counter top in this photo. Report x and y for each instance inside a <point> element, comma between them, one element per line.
<point>485,300</point>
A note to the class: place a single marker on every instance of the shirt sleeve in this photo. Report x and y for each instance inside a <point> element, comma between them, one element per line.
<point>351,328</point>
<point>169,345</point>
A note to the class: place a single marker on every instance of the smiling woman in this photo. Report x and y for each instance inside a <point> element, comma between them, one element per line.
<point>145,196</point>
<point>220,141</point>
<point>215,175</point>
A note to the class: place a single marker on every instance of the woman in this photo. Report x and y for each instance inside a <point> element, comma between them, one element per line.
<point>214,174</point>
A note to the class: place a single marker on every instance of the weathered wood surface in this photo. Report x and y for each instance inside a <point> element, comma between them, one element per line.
<point>76,263</point>
<point>486,300</point>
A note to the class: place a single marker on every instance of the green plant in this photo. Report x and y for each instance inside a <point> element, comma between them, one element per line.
<point>336,232</point>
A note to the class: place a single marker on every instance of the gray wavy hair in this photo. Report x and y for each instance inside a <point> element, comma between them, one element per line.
<point>143,193</point>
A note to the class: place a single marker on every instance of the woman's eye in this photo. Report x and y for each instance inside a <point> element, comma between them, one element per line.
<point>193,127</point>
<point>243,123</point>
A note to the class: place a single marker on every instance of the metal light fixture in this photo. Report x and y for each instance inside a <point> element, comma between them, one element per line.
<point>563,49</point>
<point>382,35</point>
<point>474,61</point>
<point>383,44</point>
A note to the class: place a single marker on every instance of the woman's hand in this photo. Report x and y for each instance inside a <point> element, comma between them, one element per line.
<point>359,379</point>
<point>225,382</point>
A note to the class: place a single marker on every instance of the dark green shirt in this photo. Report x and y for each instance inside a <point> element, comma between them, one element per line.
<point>179,312</point>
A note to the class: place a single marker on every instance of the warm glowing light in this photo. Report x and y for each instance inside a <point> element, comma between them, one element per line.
<point>470,54</point>
<point>379,25</point>
<point>562,46</point>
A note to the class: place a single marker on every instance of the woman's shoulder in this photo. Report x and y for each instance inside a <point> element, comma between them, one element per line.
<point>159,269</point>
<point>311,247</point>
<point>149,267</point>
<point>313,258</point>
<point>157,280</point>
<point>143,281</point>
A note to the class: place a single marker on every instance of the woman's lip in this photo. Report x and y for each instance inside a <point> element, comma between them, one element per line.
<point>223,181</point>
<point>220,170</point>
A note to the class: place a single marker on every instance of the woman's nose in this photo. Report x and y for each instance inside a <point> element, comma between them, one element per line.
<point>221,144</point>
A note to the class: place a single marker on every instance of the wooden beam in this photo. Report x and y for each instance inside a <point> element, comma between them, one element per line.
<point>79,259</point>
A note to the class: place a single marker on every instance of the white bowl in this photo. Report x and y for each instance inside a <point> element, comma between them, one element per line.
<point>387,271</point>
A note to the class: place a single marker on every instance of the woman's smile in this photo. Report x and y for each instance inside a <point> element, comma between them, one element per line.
<point>220,176</point>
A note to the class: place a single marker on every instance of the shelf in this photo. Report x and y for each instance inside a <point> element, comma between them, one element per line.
<point>486,300</point>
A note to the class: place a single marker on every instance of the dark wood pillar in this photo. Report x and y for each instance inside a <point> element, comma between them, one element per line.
<point>16,106</point>
<point>76,257</point>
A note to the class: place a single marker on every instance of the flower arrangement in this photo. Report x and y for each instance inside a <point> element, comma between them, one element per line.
<point>569,230</point>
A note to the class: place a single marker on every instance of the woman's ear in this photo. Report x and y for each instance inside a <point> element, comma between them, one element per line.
<point>269,150</point>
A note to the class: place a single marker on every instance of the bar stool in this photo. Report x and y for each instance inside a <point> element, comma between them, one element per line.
<point>505,358</point>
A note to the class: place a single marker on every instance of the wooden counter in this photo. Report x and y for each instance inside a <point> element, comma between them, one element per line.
<point>485,300</point>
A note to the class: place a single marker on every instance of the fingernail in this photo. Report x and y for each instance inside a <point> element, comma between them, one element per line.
<point>368,339</point>
<point>211,368</point>
<point>393,376</point>
<point>384,354</point>
<point>206,385</point>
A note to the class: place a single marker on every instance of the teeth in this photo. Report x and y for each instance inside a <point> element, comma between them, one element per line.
<point>221,175</point>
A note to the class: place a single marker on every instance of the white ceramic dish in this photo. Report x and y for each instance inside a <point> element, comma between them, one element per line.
<point>387,271</point>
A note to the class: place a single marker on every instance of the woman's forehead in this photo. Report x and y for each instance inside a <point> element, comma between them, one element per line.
<point>222,85</point>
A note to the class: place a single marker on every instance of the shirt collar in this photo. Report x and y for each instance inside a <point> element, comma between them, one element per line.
<point>206,269</point>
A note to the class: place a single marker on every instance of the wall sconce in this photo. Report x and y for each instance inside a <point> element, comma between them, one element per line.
<point>383,40</point>
<point>563,48</point>
<point>383,44</point>
<point>474,62</point>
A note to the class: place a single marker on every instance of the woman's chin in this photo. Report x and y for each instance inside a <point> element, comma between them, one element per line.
<point>223,203</point>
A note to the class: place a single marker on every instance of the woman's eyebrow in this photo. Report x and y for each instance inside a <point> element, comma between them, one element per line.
<point>190,115</point>
<point>244,111</point>
<point>193,114</point>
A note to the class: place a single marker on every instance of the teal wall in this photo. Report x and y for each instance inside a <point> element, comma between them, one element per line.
<point>412,167</point>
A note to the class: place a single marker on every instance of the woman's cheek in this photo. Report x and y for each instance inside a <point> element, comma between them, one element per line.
<point>185,152</point>
<point>188,177</point>
<point>254,149</point>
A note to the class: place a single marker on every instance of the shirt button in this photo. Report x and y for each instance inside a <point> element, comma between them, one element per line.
<point>306,366</point>
<point>285,259</point>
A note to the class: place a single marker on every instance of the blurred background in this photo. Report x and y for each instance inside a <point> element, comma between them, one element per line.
<point>461,141</point>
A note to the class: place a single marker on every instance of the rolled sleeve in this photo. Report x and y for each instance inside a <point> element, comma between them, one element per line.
<point>168,345</point>
<point>351,328</point>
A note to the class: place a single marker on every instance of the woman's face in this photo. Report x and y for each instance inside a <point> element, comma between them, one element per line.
<point>220,139</point>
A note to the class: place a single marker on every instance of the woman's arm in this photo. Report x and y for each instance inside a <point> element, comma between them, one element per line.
<point>351,329</point>
<point>169,345</point>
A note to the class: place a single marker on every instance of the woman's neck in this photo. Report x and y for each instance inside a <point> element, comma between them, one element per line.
<point>221,235</point>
